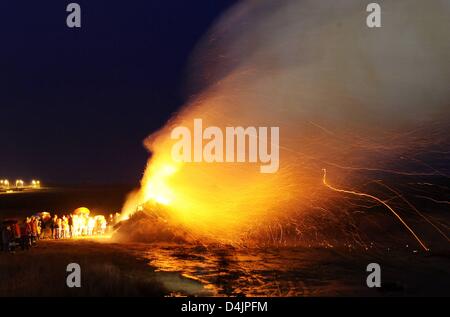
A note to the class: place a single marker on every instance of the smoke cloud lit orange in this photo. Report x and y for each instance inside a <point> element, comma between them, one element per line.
<point>342,102</point>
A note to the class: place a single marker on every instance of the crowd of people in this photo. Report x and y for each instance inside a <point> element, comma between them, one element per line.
<point>15,234</point>
<point>27,232</point>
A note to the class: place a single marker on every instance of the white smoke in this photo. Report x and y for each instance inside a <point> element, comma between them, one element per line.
<point>318,59</point>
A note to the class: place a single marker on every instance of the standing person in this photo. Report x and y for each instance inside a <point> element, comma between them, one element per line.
<point>110,223</point>
<point>59,228</point>
<point>63,227</point>
<point>55,227</point>
<point>66,227</point>
<point>75,226</point>
<point>90,225</point>
<point>103,226</point>
<point>116,218</point>
<point>6,237</point>
<point>83,224</point>
<point>16,235</point>
<point>70,220</point>
<point>26,236</point>
<point>34,230</point>
<point>43,227</point>
<point>38,227</point>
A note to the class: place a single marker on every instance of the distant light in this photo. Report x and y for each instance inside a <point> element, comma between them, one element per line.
<point>35,183</point>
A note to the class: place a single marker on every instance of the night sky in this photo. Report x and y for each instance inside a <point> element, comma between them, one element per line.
<point>76,104</point>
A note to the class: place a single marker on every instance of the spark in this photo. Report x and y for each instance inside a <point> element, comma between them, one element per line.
<point>434,200</point>
<point>324,180</point>
<point>416,210</point>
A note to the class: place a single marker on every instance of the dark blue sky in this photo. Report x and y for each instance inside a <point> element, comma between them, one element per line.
<point>76,104</point>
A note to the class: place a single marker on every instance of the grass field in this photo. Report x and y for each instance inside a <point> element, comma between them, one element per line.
<point>107,270</point>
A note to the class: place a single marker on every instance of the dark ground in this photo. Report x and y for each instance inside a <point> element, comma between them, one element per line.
<point>111,269</point>
<point>105,271</point>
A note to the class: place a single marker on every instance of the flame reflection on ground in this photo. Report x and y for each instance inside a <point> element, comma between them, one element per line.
<point>226,271</point>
